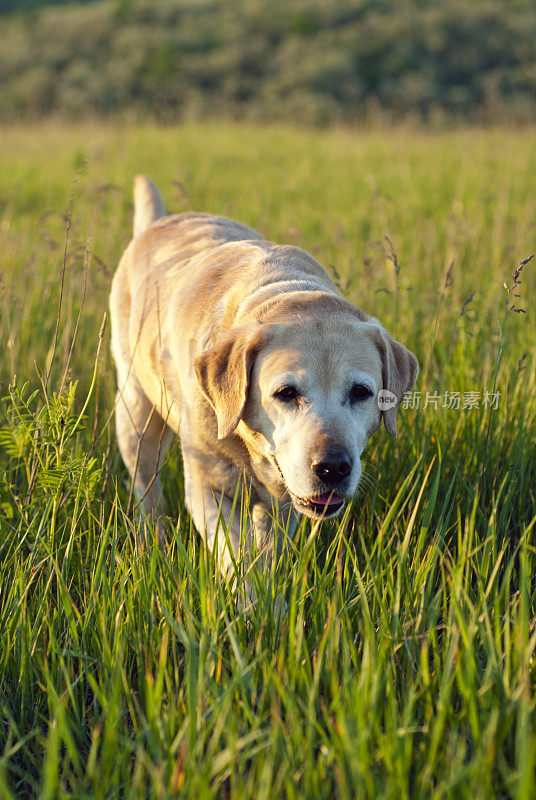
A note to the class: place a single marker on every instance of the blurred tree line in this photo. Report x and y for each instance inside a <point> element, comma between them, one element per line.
<point>312,61</point>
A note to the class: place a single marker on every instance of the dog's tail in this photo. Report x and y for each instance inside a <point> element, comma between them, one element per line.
<point>148,204</point>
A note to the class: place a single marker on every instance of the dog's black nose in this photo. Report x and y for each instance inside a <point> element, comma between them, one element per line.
<point>334,467</point>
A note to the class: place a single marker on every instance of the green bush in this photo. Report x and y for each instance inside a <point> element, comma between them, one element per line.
<point>303,59</point>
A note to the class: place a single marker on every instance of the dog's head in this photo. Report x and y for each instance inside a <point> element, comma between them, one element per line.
<point>303,391</point>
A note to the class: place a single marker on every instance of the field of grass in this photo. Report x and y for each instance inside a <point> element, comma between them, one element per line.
<point>403,664</point>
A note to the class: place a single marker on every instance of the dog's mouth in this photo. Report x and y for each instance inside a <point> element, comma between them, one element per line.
<point>323,505</point>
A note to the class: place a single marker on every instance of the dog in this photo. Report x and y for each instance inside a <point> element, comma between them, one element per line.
<point>246,351</point>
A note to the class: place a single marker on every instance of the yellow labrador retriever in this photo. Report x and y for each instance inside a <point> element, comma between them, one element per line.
<point>245,350</point>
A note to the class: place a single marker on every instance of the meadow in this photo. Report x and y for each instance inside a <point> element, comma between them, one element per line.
<point>401,664</point>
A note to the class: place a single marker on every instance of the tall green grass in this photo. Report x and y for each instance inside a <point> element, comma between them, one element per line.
<point>390,653</point>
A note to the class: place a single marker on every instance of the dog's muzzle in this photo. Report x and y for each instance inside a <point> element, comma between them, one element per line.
<point>323,505</point>
<point>327,504</point>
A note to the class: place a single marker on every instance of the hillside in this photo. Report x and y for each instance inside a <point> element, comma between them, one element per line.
<point>263,59</point>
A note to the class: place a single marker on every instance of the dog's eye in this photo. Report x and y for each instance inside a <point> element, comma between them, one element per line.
<point>287,394</point>
<point>359,392</point>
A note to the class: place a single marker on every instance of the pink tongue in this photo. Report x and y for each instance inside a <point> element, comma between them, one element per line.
<point>329,498</point>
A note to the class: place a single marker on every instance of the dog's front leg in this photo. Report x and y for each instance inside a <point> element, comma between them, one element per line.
<point>217,518</point>
<point>273,528</point>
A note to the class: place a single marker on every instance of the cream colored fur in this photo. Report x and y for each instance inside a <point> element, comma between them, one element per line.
<point>209,323</point>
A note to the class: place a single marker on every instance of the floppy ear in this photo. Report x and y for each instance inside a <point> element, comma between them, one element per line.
<point>224,372</point>
<point>399,372</point>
